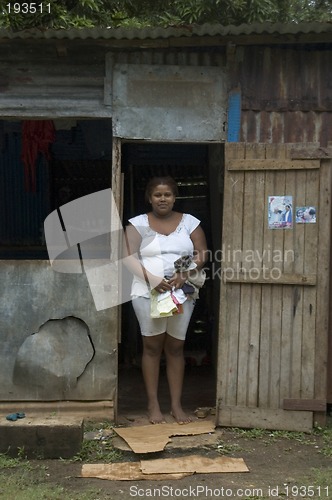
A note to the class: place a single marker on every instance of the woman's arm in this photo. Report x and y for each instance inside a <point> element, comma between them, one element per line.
<point>200,247</point>
<point>131,246</point>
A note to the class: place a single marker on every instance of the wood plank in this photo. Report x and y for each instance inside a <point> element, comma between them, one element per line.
<point>228,344</point>
<point>329,356</point>
<point>286,343</point>
<point>304,404</point>
<point>302,379</point>
<point>269,276</point>
<point>257,224</point>
<point>278,152</point>
<point>324,275</point>
<point>275,346</point>
<point>272,164</point>
<point>264,418</point>
<point>117,190</point>
<point>243,345</point>
<point>230,294</point>
<point>310,251</point>
<point>267,302</point>
<point>298,292</point>
<point>236,185</point>
<point>288,265</point>
<point>254,346</point>
<point>265,349</point>
<point>247,291</point>
<point>311,153</point>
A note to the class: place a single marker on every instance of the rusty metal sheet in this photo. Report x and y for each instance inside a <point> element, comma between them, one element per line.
<point>169,103</point>
<point>286,127</point>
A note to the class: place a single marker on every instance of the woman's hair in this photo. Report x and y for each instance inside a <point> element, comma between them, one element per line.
<point>156,181</point>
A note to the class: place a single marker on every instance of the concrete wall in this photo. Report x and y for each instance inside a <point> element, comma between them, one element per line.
<point>73,357</point>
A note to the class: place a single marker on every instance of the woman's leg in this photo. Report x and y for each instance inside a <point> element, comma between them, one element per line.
<point>152,349</point>
<point>175,365</point>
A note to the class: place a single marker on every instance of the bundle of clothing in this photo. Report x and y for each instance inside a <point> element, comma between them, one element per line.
<point>169,303</point>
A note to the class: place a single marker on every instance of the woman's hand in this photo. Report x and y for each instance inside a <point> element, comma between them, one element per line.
<point>163,286</point>
<point>178,280</point>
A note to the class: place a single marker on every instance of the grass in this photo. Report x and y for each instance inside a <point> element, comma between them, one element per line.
<point>7,462</point>
<point>318,485</point>
<point>323,479</point>
<point>267,437</point>
<point>24,481</point>
<point>326,433</point>
<point>227,448</point>
<point>301,437</point>
<point>98,451</point>
<point>22,487</point>
<point>100,448</point>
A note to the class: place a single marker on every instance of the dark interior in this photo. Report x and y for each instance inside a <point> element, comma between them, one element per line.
<point>188,164</point>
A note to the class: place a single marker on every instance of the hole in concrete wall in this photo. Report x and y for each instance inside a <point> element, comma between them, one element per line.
<point>54,358</point>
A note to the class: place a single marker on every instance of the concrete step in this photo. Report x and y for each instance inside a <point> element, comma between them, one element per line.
<point>42,437</point>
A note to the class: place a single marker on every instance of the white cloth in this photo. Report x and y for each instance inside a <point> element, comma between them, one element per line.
<point>180,296</point>
<point>159,252</point>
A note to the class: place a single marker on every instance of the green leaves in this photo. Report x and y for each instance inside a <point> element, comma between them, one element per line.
<point>113,13</point>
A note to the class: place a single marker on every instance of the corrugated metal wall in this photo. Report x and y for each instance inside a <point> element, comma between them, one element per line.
<point>286,94</point>
<point>285,90</point>
<point>67,79</point>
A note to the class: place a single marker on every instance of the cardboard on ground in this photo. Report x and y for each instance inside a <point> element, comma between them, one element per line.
<point>164,468</point>
<point>152,438</point>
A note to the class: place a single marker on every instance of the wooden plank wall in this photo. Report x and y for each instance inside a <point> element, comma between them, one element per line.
<point>273,332</point>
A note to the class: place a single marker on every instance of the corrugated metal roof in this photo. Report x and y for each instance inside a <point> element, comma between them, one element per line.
<point>154,33</point>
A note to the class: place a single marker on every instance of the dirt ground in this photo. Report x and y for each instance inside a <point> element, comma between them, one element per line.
<point>281,465</point>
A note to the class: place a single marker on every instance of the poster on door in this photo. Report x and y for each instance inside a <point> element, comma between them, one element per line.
<point>280,212</point>
<point>305,215</point>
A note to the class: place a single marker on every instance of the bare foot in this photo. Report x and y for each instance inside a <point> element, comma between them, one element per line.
<point>180,416</point>
<point>155,415</point>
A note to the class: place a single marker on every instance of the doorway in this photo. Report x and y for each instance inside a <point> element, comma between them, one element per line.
<point>198,171</point>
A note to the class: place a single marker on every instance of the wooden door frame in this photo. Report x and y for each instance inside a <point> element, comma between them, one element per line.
<point>117,188</point>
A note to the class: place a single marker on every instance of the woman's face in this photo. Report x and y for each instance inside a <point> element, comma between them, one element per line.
<point>162,199</point>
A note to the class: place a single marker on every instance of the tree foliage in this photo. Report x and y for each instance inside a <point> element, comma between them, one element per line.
<point>143,13</point>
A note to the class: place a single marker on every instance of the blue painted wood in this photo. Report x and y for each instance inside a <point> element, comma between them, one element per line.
<point>234,116</point>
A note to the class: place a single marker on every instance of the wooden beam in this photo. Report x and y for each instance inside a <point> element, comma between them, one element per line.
<point>267,278</point>
<point>304,404</point>
<point>272,164</point>
<point>315,153</point>
<point>264,418</point>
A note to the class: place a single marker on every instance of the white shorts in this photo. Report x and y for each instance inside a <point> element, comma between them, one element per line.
<point>176,326</point>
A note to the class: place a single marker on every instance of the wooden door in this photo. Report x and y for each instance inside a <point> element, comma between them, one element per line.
<point>273,332</point>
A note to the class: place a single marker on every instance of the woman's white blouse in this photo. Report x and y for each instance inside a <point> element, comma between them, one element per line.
<point>159,251</point>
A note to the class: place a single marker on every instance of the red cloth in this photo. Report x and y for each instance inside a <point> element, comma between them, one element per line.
<point>37,135</point>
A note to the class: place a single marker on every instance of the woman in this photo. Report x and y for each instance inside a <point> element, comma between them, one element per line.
<point>154,241</point>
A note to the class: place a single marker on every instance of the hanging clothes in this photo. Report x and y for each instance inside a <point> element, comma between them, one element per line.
<point>37,135</point>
